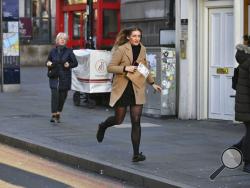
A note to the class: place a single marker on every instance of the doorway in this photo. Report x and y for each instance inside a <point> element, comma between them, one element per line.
<point>221,63</point>
<point>74,26</point>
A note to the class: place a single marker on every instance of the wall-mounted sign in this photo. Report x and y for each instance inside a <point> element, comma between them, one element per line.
<point>13,27</point>
<point>167,37</point>
<point>10,10</point>
<point>184,29</point>
<point>10,45</point>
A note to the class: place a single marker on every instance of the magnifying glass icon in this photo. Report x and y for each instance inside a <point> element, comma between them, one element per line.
<point>230,158</point>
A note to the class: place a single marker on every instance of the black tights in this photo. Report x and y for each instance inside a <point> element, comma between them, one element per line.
<point>135,116</point>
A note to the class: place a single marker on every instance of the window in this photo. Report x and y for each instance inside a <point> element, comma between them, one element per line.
<point>76,25</point>
<point>71,2</point>
<point>110,27</point>
<point>39,13</point>
<point>246,17</point>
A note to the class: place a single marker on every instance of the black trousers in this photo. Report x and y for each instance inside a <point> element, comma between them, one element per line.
<point>58,98</point>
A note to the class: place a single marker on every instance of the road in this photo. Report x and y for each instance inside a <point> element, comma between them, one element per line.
<point>23,169</point>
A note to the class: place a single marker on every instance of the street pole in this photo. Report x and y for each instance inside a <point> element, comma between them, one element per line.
<point>89,11</point>
<point>1,46</point>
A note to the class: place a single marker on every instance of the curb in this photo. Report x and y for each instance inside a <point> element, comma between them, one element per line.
<point>85,163</point>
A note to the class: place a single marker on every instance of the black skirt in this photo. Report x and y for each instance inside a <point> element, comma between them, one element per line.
<point>127,98</point>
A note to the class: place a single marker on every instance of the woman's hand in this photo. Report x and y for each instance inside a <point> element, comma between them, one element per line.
<point>130,68</point>
<point>66,65</point>
<point>49,63</point>
<point>156,87</point>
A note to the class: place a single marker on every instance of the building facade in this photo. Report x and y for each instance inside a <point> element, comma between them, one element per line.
<point>37,30</point>
<point>206,33</point>
<point>150,16</point>
<point>213,28</point>
<point>41,20</point>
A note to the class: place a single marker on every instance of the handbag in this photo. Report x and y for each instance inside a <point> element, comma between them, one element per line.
<point>53,71</point>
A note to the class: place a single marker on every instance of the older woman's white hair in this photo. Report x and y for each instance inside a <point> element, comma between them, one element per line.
<point>61,35</point>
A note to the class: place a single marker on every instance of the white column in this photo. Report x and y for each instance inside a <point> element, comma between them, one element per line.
<point>202,59</point>
<point>187,69</point>
<point>238,21</point>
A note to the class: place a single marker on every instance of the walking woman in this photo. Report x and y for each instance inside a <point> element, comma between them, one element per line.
<point>242,101</point>
<point>60,61</point>
<point>127,54</point>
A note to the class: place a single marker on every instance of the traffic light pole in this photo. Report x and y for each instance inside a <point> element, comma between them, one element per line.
<point>90,20</point>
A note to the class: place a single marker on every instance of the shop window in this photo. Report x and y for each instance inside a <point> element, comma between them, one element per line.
<point>39,13</point>
<point>110,23</point>
<point>170,14</point>
<point>72,2</point>
<point>76,25</point>
<point>246,17</point>
<point>66,19</point>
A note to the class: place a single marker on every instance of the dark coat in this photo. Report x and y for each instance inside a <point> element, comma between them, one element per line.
<point>58,57</point>
<point>242,100</point>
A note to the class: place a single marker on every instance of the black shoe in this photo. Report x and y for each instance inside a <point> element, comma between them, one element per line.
<point>53,119</point>
<point>58,118</point>
<point>100,133</point>
<point>246,167</point>
<point>139,157</point>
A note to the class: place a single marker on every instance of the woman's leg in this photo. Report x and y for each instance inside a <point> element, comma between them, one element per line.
<point>245,148</point>
<point>135,115</point>
<point>61,100</point>
<point>120,113</point>
<point>54,104</point>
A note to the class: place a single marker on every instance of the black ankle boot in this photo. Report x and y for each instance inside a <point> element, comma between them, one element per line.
<point>109,122</point>
<point>53,119</point>
<point>139,157</point>
<point>100,132</point>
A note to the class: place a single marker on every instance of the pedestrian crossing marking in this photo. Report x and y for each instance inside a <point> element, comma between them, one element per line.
<point>128,125</point>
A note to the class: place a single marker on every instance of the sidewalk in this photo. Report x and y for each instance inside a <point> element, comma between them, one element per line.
<point>179,153</point>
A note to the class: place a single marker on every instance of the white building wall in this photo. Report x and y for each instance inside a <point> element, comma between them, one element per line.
<point>187,67</point>
<point>193,71</point>
<point>238,20</point>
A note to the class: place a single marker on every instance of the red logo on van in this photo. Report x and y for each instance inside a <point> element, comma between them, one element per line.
<point>100,66</point>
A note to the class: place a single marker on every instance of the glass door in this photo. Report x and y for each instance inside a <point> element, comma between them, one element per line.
<point>74,26</point>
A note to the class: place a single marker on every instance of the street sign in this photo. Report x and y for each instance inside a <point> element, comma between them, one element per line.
<point>10,64</point>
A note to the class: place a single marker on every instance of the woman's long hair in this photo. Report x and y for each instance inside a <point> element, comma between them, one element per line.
<point>121,37</point>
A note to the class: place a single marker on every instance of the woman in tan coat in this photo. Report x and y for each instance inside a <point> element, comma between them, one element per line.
<point>128,53</point>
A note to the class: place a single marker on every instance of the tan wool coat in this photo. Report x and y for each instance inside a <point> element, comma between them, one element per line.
<point>123,56</point>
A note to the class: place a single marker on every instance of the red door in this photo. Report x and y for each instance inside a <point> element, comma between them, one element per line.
<point>74,24</point>
<point>71,19</point>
